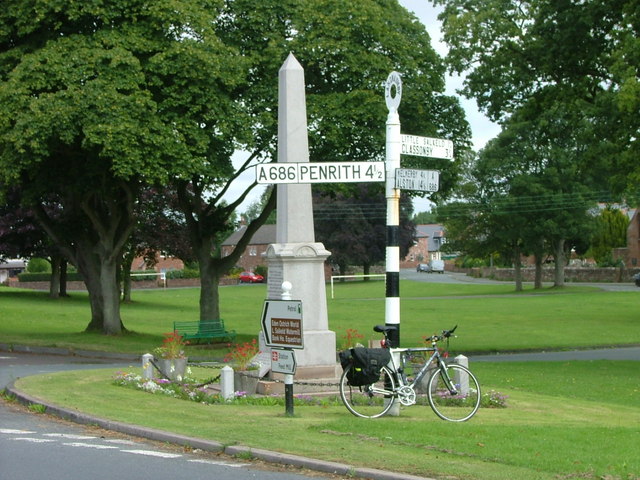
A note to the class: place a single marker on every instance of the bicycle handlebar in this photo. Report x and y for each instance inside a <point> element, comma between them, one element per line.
<point>384,329</point>
<point>445,334</point>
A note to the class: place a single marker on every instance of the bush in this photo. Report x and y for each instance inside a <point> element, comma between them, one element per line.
<point>38,265</point>
<point>471,262</point>
<point>262,270</point>
<point>186,273</point>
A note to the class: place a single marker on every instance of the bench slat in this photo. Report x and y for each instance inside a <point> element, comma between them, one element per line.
<point>195,330</point>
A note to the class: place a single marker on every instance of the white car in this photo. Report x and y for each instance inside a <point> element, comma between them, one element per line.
<point>436,266</point>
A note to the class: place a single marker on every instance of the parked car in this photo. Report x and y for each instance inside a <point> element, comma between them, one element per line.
<point>422,267</point>
<point>636,278</point>
<point>250,277</point>
<point>436,266</point>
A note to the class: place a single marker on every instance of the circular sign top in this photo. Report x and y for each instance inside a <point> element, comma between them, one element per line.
<point>393,91</point>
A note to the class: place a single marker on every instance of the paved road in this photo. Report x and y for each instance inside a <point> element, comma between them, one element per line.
<point>40,446</point>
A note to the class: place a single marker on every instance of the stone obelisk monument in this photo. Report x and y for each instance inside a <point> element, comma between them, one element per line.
<point>296,257</point>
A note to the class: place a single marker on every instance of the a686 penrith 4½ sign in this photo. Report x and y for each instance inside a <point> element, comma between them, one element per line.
<point>282,323</point>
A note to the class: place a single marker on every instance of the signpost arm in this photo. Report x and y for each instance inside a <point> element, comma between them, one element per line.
<point>393,93</point>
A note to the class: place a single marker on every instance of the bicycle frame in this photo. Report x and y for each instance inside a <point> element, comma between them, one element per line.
<point>399,369</point>
<point>402,353</point>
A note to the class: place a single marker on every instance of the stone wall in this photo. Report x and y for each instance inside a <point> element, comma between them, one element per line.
<point>572,274</point>
<point>141,284</point>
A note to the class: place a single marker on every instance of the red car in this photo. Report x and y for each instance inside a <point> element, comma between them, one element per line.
<point>250,277</point>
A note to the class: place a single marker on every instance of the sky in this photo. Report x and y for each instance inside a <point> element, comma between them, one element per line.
<point>481,127</point>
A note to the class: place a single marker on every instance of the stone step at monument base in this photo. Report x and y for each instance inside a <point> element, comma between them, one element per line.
<point>316,386</point>
<point>309,379</point>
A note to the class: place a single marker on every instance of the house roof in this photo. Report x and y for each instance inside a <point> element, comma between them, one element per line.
<point>434,233</point>
<point>265,235</point>
<point>12,264</point>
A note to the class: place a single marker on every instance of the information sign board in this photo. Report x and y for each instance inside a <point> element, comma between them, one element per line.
<point>283,361</point>
<point>320,172</point>
<point>421,180</point>
<point>426,147</point>
<point>282,323</point>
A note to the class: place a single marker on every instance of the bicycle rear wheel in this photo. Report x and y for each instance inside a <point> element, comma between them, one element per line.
<point>369,401</point>
<point>454,394</point>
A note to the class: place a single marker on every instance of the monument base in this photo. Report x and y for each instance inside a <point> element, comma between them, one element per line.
<point>319,380</point>
<point>302,264</point>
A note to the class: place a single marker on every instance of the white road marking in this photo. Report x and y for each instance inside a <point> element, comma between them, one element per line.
<point>153,453</point>
<point>33,440</point>
<point>17,432</point>
<point>90,445</point>
<point>69,436</point>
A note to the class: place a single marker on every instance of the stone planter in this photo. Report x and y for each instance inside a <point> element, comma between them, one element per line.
<point>173,368</point>
<point>246,381</point>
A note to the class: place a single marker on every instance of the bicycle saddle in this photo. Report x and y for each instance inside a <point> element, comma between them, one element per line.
<point>384,328</point>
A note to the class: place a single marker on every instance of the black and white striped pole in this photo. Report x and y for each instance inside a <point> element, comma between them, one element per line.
<point>393,94</point>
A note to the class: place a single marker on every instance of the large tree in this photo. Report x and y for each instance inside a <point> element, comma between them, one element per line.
<point>97,100</point>
<point>542,52</point>
<point>347,51</point>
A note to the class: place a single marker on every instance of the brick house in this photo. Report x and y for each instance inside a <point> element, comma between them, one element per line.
<point>630,255</point>
<point>429,239</point>
<point>253,254</point>
<point>10,268</point>
<point>163,264</point>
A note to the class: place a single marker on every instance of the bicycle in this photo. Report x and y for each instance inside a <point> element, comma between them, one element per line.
<point>452,391</point>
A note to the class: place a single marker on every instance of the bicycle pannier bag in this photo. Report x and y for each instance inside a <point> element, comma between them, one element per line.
<point>366,364</point>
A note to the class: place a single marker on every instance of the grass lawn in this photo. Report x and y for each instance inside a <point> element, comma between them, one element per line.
<point>490,317</point>
<point>563,420</point>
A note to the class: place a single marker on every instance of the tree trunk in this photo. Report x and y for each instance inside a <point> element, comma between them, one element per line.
<point>100,277</point>
<point>63,277</point>
<point>204,225</point>
<point>560,261</point>
<point>366,268</point>
<point>54,283</point>
<point>96,248</point>
<point>537,283</point>
<point>209,295</point>
<point>517,266</point>
<point>126,275</point>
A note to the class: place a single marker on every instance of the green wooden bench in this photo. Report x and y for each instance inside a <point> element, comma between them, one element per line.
<point>203,330</point>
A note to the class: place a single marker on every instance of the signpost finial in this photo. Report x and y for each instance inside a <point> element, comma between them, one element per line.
<point>393,92</point>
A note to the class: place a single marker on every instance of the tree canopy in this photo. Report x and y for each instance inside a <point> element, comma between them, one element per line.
<point>100,101</point>
<point>535,54</point>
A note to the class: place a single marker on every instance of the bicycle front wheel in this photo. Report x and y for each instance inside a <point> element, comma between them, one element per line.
<point>368,401</point>
<point>454,393</point>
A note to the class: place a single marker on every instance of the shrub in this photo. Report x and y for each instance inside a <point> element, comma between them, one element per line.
<point>38,265</point>
<point>185,273</point>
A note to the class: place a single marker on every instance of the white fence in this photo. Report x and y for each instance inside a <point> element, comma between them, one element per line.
<point>162,275</point>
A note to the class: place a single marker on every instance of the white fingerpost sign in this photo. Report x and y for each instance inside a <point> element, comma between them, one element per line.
<point>427,147</point>
<point>320,172</point>
<point>420,180</point>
